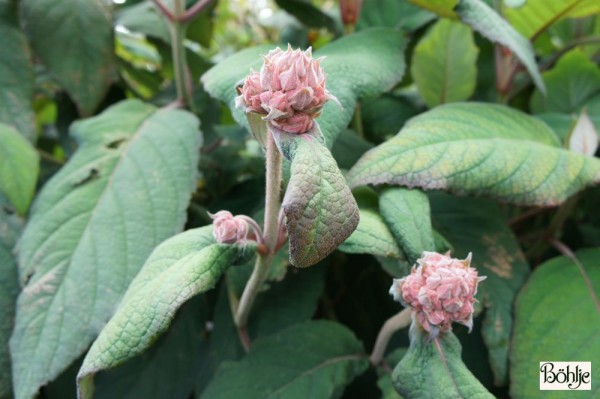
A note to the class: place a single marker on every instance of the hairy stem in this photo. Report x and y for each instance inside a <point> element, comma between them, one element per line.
<point>177,30</point>
<point>391,325</point>
<point>271,236</point>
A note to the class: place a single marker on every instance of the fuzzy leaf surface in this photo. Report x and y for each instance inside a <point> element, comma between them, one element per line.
<point>572,292</point>
<point>74,39</point>
<point>372,236</point>
<point>312,359</point>
<point>319,208</point>
<point>444,63</point>
<point>19,168</point>
<point>360,65</point>
<point>479,149</point>
<point>181,267</point>
<point>124,191</point>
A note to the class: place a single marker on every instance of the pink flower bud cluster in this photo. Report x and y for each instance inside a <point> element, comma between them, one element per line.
<point>440,290</point>
<point>289,90</point>
<point>229,229</point>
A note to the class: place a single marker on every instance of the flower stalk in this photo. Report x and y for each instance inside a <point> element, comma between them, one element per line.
<point>391,325</point>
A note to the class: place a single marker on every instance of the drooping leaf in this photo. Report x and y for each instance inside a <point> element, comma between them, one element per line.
<point>537,15</point>
<point>308,14</point>
<point>312,359</point>
<point>444,63</point>
<point>444,8</point>
<point>372,236</point>
<point>181,267</point>
<point>407,214</point>
<point>572,82</point>
<point>557,319</point>
<point>434,369</point>
<point>93,225</point>
<point>74,39</point>
<point>10,229</point>
<point>320,211</point>
<point>477,226</point>
<point>16,74</point>
<point>486,21</point>
<point>19,168</point>
<point>392,14</point>
<point>481,149</point>
<point>360,65</point>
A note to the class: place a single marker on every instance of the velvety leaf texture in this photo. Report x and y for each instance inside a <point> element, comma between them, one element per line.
<point>319,209</point>
<point>479,149</point>
<point>181,267</point>
<point>372,236</point>
<point>19,168</point>
<point>431,371</point>
<point>406,212</point>
<point>567,333</point>
<point>486,21</point>
<point>359,65</point>
<point>16,74</point>
<point>93,225</point>
<point>74,39</point>
<point>315,359</point>
<point>476,225</point>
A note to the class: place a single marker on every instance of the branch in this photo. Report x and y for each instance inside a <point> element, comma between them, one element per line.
<point>164,10</point>
<point>193,12</point>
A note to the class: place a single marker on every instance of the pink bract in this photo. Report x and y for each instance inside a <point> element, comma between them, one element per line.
<point>440,290</point>
<point>227,229</point>
<point>289,90</point>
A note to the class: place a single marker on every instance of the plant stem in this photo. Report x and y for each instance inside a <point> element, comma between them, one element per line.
<point>391,325</point>
<point>182,78</point>
<point>357,122</point>
<point>195,10</point>
<point>164,10</point>
<point>271,230</point>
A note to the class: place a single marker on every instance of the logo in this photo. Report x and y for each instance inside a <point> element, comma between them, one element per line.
<point>565,376</point>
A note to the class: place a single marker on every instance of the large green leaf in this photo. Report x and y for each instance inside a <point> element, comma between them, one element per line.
<point>372,236</point>
<point>432,370</point>
<point>444,63</point>
<point>315,359</point>
<point>74,39</point>
<point>536,15</point>
<point>16,73</point>
<point>477,226</point>
<point>444,8</point>
<point>572,82</point>
<point>359,65</point>
<point>473,148</point>
<point>10,230</point>
<point>557,319</point>
<point>320,211</point>
<point>407,214</point>
<point>393,14</point>
<point>92,227</point>
<point>181,267</point>
<point>486,21</point>
<point>19,168</point>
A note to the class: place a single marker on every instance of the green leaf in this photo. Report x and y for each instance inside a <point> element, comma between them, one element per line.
<point>360,65</point>
<point>10,229</point>
<point>477,226</point>
<point>434,369</point>
<point>74,39</point>
<point>486,21</point>
<point>384,116</point>
<point>181,267</point>
<point>145,18</point>
<point>319,208</point>
<point>557,319</point>
<point>483,149</point>
<point>125,190</point>
<point>444,8</point>
<point>348,148</point>
<point>572,82</point>
<point>392,14</point>
<point>535,16</point>
<point>16,74</point>
<point>325,357</point>
<point>19,168</point>
<point>407,214</point>
<point>372,236</point>
<point>444,63</point>
<point>308,14</point>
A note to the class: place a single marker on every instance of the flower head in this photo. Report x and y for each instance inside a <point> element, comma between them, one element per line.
<point>440,290</point>
<point>229,229</point>
<point>289,90</point>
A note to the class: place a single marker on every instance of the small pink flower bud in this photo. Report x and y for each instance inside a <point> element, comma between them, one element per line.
<point>289,90</point>
<point>229,229</point>
<point>440,290</point>
<point>350,10</point>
